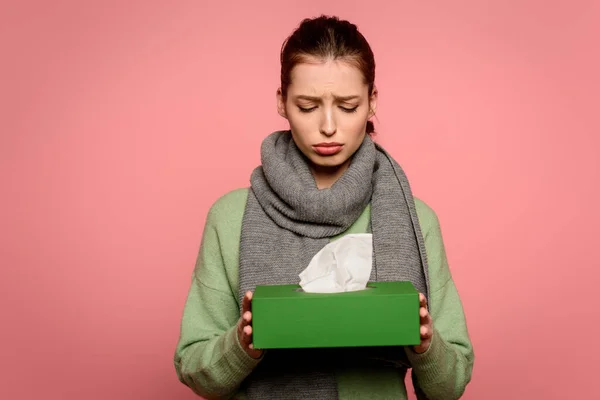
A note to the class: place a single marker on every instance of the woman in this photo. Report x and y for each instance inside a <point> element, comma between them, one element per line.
<point>322,179</point>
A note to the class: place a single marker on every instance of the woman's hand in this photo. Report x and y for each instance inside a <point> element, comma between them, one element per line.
<point>426,326</point>
<point>245,327</point>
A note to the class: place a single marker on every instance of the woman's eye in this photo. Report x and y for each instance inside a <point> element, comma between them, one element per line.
<point>344,109</point>
<point>349,110</point>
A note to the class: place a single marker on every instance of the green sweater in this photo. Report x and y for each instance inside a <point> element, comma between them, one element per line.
<point>210,360</point>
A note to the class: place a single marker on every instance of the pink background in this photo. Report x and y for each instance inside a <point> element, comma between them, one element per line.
<point>121,123</point>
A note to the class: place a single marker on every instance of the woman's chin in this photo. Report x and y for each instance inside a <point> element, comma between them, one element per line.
<point>332,163</point>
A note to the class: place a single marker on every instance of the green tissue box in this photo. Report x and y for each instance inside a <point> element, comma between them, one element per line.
<point>383,314</point>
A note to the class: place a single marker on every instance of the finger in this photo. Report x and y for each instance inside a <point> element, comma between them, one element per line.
<point>424,317</point>
<point>240,329</point>
<point>243,322</point>
<point>247,318</point>
<point>247,338</point>
<point>247,302</point>
<point>426,332</point>
<point>243,336</point>
<point>422,300</point>
<point>254,352</point>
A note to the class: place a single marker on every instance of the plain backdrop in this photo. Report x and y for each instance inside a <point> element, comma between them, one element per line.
<point>121,122</point>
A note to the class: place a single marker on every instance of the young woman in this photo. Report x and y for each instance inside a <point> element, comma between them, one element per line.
<point>321,179</point>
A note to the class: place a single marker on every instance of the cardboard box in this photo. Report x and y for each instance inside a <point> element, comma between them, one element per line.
<point>383,314</point>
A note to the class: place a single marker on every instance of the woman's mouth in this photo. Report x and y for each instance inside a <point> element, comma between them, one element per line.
<point>328,149</point>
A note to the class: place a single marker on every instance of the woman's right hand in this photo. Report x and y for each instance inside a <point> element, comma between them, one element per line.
<point>245,327</point>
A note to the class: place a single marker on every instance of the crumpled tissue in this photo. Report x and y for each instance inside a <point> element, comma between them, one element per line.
<point>343,265</point>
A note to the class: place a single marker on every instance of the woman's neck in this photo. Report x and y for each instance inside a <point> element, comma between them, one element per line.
<point>325,177</point>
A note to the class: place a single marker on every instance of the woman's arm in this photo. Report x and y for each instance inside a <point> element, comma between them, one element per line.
<point>209,358</point>
<point>444,370</point>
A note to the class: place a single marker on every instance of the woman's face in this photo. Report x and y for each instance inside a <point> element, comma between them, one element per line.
<point>327,106</point>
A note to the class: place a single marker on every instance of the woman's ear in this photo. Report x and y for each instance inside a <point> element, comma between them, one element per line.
<point>281,104</point>
<point>373,102</point>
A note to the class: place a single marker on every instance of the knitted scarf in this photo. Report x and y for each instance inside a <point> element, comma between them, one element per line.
<point>287,220</point>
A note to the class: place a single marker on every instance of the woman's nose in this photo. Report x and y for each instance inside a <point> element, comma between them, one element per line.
<point>328,126</point>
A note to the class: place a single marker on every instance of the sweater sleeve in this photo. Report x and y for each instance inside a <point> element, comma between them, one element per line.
<point>209,358</point>
<point>444,370</point>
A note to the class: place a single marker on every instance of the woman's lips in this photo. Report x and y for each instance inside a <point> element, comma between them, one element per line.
<point>328,149</point>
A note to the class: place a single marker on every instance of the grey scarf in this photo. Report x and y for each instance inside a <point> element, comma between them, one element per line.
<point>287,220</point>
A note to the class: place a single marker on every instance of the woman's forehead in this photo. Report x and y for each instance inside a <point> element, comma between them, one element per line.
<point>336,76</point>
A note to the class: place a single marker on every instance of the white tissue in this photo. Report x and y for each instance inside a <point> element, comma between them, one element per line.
<point>344,265</point>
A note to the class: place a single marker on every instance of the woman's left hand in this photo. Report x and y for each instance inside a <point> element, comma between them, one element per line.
<point>426,326</point>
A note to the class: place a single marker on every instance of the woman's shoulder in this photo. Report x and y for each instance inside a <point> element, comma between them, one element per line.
<point>427,216</point>
<point>229,207</point>
<point>232,199</point>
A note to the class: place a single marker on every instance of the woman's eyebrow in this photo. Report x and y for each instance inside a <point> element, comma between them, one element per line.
<point>347,98</point>
<point>317,99</point>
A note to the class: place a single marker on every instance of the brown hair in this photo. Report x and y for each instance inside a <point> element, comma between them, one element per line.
<point>328,38</point>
